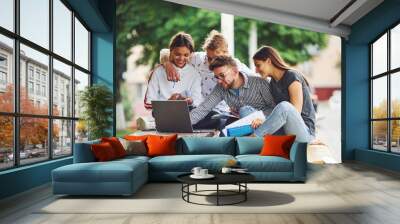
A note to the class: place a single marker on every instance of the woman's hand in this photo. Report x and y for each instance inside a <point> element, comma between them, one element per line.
<point>175,96</point>
<point>172,74</point>
<point>189,100</point>
<point>256,123</point>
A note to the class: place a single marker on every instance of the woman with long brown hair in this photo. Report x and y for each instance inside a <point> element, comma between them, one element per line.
<point>294,111</point>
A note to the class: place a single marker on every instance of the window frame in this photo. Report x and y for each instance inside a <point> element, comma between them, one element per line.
<point>388,74</point>
<point>16,114</point>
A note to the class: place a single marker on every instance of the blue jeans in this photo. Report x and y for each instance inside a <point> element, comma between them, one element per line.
<point>283,116</point>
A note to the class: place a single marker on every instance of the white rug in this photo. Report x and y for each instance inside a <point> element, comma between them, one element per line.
<point>166,198</point>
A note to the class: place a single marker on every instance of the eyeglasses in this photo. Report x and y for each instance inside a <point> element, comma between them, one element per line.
<point>220,76</point>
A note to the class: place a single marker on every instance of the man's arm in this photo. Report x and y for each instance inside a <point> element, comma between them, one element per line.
<point>208,104</point>
<point>195,90</point>
<point>265,91</point>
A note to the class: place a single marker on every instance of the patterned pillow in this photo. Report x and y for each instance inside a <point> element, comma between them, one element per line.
<point>134,147</point>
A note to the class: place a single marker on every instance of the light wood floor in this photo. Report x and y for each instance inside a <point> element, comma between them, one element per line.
<point>378,188</point>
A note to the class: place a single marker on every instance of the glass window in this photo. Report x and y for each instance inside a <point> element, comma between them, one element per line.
<point>379,133</point>
<point>6,74</point>
<point>395,95</point>
<point>30,72</point>
<point>62,29</point>
<point>81,81</point>
<point>34,80</point>
<point>379,56</point>
<point>7,14</point>
<point>6,142</point>
<point>33,140</point>
<point>388,81</point>
<point>62,138</point>
<point>395,136</point>
<point>395,47</point>
<point>30,87</point>
<point>81,45</point>
<point>62,72</point>
<point>35,21</point>
<point>40,62</point>
<point>379,98</point>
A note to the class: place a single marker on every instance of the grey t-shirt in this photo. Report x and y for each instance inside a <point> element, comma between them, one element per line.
<point>280,92</point>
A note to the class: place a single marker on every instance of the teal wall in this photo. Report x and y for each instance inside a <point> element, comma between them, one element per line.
<point>355,73</point>
<point>99,16</point>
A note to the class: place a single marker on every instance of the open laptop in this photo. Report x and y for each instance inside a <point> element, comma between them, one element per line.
<point>173,116</point>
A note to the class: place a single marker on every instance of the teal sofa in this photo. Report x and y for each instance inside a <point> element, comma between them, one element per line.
<point>125,176</point>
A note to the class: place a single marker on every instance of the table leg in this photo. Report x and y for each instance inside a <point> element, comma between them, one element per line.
<point>217,194</point>
<point>245,191</point>
<point>196,188</point>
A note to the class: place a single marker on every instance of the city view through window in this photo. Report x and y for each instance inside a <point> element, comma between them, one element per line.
<point>39,113</point>
<point>385,82</point>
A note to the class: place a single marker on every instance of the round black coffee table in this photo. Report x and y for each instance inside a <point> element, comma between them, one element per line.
<point>238,179</point>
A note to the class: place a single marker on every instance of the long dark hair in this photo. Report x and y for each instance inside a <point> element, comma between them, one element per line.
<point>266,52</point>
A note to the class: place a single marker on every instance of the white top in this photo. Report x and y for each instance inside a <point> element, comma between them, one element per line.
<point>208,81</point>
<point>189,85</point>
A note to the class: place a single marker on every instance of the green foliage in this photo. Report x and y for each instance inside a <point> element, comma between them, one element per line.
<point>96,102</point>
<point>126,101</point>
<point>152,23</point>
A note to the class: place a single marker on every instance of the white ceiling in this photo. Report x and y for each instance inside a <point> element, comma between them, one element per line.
<point>315,15</point>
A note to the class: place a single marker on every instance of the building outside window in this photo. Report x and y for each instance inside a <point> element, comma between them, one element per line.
<point>34,80</point>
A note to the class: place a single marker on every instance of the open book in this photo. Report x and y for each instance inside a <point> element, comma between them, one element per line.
<point>244,121</point>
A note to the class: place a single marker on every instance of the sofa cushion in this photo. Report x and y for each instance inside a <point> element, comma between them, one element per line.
<point>103,152</point>
<point>249,145</point>
<point>207,145</point>
<point>185,163</point>
<point>277,145</point>
<point>257,163</point>
<point>116,145</point>
<point>112,171</point>
<point>161,145</point>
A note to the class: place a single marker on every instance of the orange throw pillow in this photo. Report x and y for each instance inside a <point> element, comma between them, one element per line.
<point>116,145</point>
<point>136,137</point>
<point>103,152</point>
<point>161,145</point>
<point>277,145</point>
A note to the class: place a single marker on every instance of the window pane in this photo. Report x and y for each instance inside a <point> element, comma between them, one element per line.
<point>379,97</point>
<point>379,55</point>
<point>62,29</point>
<point>6,74</point>
<point>33,139</point>
<point>62,89</point>
<point>7,14</point>
<point>395,138</point>
<point>34,72</point>
<point>379,135</point>
<point>81,81</point>
<point>62,138</point>
<point>35,21</point>
<point>81,45</point>
<point>81,131</point>
<point>395,94</point>
<point>395,47</point>
<point>6,142</point>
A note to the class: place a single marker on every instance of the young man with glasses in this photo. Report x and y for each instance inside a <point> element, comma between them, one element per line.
<point>238,90</point>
